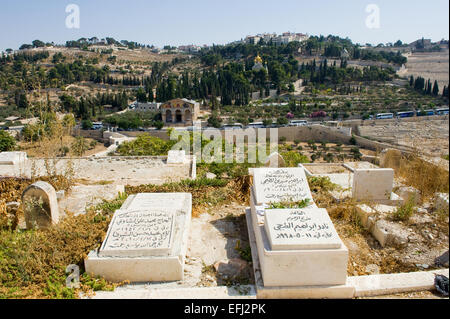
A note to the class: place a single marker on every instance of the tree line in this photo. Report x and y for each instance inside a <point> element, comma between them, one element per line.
<point>425,87</point>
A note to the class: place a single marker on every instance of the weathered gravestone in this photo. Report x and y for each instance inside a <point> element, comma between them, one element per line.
<point>390,158</point>
<point>139,233</point>
<point>40,205</point>
<point>373,184</point>
<point>273,185</point>
<point>146,240</point>
<point>409,193</point>
<point>296,247</point>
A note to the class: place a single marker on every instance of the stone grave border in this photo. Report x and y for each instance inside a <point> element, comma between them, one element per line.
<point>148,268</point>
<point>328,273</point>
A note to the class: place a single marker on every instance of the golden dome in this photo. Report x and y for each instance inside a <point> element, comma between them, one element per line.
<point>258,60</point>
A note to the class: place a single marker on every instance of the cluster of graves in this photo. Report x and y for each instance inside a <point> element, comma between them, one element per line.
<point>296,250</point>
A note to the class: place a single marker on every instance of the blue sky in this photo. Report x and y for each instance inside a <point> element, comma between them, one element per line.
<point>178,22</point>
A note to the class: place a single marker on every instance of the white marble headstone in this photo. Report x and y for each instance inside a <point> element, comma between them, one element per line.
<point>300,229</point>
<point>138,233</point>
<point>272,185</point>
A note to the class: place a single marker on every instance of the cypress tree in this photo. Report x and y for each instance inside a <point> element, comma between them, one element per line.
<point>435,88</point>
<point>428,92</point>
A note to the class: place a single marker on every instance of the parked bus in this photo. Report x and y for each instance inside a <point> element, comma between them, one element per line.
<point>97,125</point>
<point>233,126</point>
<point>382,116</point>
<point>425,113</point>
<point>406,114</point>
<point>256,125</point>
<point>443,111</point>
<point>298,123</point>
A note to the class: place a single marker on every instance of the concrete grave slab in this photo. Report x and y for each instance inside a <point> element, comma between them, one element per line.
<point>146,240</point>
<point>158,200</point>
<point>373,184</point>
<point>301,267</point>
<point>300,229</point>
<point>272,185</point>
<point>81,197</point>
<point>387,233</point>
<point>409,193</point>
<point>293,291</point>
<point>139,233</point>
<point>13,164</point>
<point>12,158</point>
<point>120,170</point>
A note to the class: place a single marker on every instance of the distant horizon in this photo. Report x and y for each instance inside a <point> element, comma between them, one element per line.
<point>203,22</point>
<point>211,44</point>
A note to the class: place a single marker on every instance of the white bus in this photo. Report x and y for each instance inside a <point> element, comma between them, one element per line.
<point>97,125</point>
<point>234,126</point>
<point>443,111</point>
<point>298,123</point>
<point>256,125</point>
<point>381,116</point>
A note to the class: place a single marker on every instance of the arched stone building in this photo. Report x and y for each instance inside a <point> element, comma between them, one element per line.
<point>180,112</point>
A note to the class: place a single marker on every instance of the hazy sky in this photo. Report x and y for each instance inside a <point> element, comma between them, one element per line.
<point>178,22</point>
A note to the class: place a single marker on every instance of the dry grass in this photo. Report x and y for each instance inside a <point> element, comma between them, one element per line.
<point>33,263</point>
<point>413,171</point>
<point>433,65</point>
<point>363,248</point>
<point>206,193</point>
<point>51,148</point>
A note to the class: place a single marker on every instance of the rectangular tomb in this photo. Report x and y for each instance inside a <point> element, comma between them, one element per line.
<point>274,185</point>
<point>139,233</point>
<point>373,184</point>
<point>288,261</point>
<point>146,240</point>
<point>296,247</point>
<point>300,229</point>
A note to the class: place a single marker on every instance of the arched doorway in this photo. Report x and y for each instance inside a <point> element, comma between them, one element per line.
<point>187,116</point>
<point>178,116</point>
<point>168,116</point>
